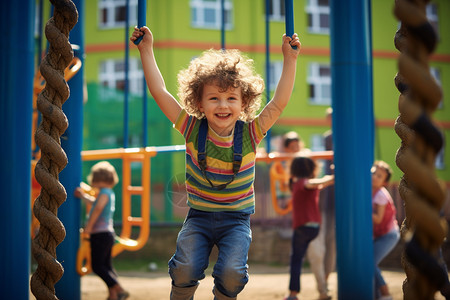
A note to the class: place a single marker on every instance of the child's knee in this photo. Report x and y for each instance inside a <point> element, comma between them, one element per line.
<point>184,275</point>
<point>231,281</point>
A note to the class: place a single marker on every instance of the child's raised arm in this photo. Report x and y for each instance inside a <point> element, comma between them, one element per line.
<point>319,183</point>
<point>155,82</point>
<point>273,109</point>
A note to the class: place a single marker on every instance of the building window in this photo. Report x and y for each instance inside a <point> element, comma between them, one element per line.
<point>275,73</point>
<point>440,161</point>
<point>208,14</point>
<point>112,13</point>
<point>317,142</point>
<point>277,10</point>
<point>436,73</point>
<point>112,75</point>
<point>432,16</point>
<point>318,12</point>
<point>319,81</point>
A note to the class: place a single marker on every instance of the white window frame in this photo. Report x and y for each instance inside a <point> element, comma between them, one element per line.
<point>314,10</point>
<point>276,67</point>
<point>436,73</point>
<point>432,16</point>
<point>110,6</point>
<point>318,81</point>
<point>109,77</point>
<point>440,159</point>
<point>317,142</point>
<point>278,13</point>
<point>199,6</point>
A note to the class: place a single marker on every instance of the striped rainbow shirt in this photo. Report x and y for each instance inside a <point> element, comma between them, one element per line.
<point>239,194</point>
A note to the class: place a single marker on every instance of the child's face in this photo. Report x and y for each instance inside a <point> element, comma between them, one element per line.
<point>293,147</point>
<point>222,109</point>
<point>379,176</point>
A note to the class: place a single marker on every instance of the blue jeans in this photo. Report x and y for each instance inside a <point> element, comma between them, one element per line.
<point>301,238</point>
<point>231,233</point>
<point>382,246</point>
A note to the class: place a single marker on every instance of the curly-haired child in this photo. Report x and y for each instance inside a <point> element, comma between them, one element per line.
<point>220,94</point>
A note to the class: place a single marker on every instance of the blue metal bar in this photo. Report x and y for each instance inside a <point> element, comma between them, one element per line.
<point>69,286</point>
<point>222,24</point>
<point>142,21</point>
<point>41,14</point>
<point>267,3</point>
<point>39,59</point>
<point>144,115</point>
<point>353,145</point>
<point>126,95</point>
<point>142,10</point>
<point>289,12</point>
<point>289,7</point>
<point>16,93</point>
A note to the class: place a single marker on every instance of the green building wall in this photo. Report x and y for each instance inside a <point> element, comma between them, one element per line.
<point>177,42</point>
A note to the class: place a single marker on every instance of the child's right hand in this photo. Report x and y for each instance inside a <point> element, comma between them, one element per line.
<point>147,40</point>
<point>288,44</point>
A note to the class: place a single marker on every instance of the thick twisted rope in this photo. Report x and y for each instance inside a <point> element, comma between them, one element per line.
<point>53,158</point>
<point>421,191</point>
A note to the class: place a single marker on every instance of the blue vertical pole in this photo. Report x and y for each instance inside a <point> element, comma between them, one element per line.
<point>289,15</point>
<point>267,4</point>
<point>16,94</point>
<point>40,17</point>
<point>142,20</point>
<point>222,24</point>
<point>69,287</point>
<point>289,7</point>
<point>353,145</point>
<point>126,96</point>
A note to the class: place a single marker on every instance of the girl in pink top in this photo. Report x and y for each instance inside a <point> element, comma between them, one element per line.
<point>385,228</point>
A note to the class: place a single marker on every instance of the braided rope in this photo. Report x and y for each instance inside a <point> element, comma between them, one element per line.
<point>53,158</point>
<point>423,194</point>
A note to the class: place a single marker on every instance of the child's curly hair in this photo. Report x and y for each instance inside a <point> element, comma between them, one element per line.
<point>226,69</point>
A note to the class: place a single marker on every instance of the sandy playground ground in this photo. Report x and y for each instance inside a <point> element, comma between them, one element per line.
<point>266,283</point>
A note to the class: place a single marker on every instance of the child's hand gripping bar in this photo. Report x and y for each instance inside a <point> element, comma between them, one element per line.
<point>142,9</point>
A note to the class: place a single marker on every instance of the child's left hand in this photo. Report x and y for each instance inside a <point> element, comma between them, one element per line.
<point>288,44</point>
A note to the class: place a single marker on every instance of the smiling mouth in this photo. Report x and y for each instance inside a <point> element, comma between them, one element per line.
<point>223,115</point>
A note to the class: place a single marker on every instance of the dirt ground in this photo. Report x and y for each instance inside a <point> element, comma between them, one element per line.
<point>266,283</point>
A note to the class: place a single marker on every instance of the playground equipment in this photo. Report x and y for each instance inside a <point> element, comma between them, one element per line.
<point>124,241</point>
<point>279,177</point>
<point>344,115</point>
<point>53,158</point>
<point>419,188</point>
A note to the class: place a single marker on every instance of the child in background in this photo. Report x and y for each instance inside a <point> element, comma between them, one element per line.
<point>385,227</point>
<point>321,252</point>
<point>306,218</point>
<point>99,226</point>
<point>293,143</point>
<point>219,94</point>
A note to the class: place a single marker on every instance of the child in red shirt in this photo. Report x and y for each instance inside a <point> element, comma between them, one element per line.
<point>305,213</point>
